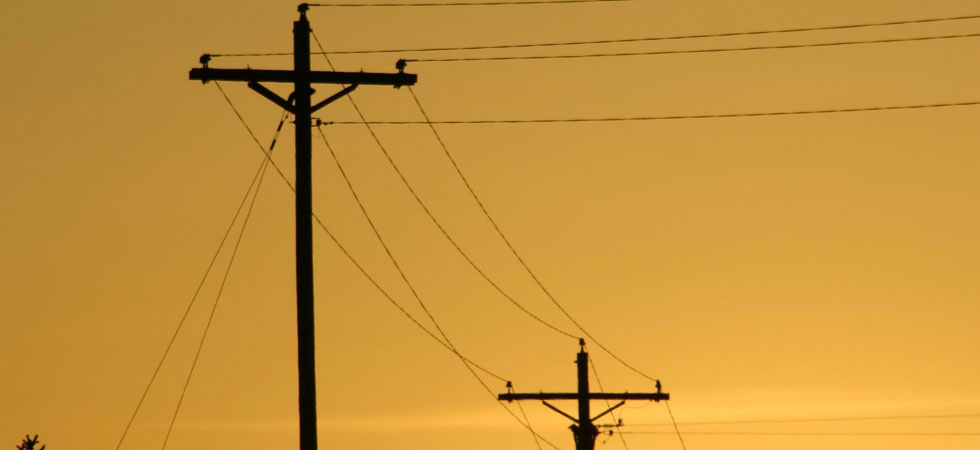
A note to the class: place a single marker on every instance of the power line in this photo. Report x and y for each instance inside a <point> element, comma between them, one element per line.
<point>677,430</point>
<point>617,422</point>
<point>814,433</point>
<point>619,40</point>
<point>384,245</point>
<point>808,420</point>
<point>510,246</point>
<point>462,359</point>
<point>501,3</point>
<point>695,51</point>
<point>654,118</point>
<point>194,297</point>
<point>442,229</point>
<point>467,362</point>
<point>346,253</point>
<point>411,287</point>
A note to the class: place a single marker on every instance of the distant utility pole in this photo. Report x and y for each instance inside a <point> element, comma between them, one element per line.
<point>300,105</point>
<point>583,428</point>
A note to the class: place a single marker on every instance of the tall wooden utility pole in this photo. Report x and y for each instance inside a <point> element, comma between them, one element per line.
<point>302,108</point>
<point>583,428</point>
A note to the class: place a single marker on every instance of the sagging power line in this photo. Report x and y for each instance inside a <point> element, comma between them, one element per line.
<point>812,420</point>
<point>467,361</point>
<point>492,3</point>
<point>693,51</point>
<point>620,40</point>
<point>665,117</point>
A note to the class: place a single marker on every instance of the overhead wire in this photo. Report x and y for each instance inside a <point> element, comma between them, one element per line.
<point>535,435</point>
<point>344,250</point>
<point>616,421</point>
<point>691,51</point>
<point>665,117</point>
<point>509,245</point>
<point>194,297</point>
<point>677,429</point>
<point>617,40</point>
<point>398,268</point>
<point>384,245</point>
<point>412,288</point>
<point>465,362</point>
<point>443,230</point>
<point>221,287</point>
<point>492,3</point>
<point>813,420</point>
<point>815,433</point>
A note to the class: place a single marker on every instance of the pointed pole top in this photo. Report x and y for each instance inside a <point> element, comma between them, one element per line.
<point>581,343</point>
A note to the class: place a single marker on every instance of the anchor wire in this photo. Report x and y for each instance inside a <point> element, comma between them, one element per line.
<point>193,300</point>
<point>221,287</point>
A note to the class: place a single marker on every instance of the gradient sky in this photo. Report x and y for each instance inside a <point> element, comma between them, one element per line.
<point>763,268</point>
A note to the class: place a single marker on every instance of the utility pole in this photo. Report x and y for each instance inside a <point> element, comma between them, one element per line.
<point>583,428</point>
<point>302,107</point>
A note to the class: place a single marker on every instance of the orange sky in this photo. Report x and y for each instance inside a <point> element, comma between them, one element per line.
<point>763,268</point>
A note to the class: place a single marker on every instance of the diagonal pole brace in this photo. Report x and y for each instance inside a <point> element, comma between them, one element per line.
<point>610,410</point>
<point>555,409</point>
<point>265,92</point>
<point>333,98</point>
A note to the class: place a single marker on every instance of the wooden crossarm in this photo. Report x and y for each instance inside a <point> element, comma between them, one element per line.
<point>206,74</point>
<point>591,396</point>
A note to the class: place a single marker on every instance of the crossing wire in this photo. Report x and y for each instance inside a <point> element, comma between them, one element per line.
<point>814,433</point>
<point>811,420</point>
<point>442,229</point>
<point>620,40</point>
<point>346,253</point>
<point>656,118</point>
<point>377,235</point>
<point>384,245</point>
<point>221,287</point>
<point>501,3</point>
<point>616,421</point>
<point>404,277</point>
<point>470,365</point>
<point>465,362</point>
<point>411,287</point>
<point>693,51</point>
<point>194,297</point>
<point>677,430</point>
<point>510,246</point>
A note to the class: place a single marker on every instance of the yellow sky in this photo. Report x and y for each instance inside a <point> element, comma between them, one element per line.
<point>763,268</point>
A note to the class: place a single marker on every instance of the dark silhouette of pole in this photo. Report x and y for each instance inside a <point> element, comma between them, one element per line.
<point>300,104</point>
<point>584,429</point>
<point>305,336</point>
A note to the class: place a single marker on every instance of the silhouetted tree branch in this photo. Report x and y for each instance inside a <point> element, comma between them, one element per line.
<point>29,443</point>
